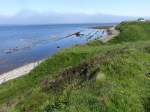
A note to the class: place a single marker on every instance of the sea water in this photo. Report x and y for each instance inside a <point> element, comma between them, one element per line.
<point>23,44</point>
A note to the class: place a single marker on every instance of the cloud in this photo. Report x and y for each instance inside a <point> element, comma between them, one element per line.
<point>32,17</point>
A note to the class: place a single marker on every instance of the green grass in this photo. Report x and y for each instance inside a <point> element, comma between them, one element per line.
<point>133,31</point>
<point>96,77</point>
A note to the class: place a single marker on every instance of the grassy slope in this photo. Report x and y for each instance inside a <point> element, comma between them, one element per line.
<point>111,77</point>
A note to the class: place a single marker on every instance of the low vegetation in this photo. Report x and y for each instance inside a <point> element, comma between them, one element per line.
<point>96,77</point>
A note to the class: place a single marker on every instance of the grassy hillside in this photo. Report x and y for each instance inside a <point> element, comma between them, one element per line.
<point>133,31</point>
<point>96,77</point>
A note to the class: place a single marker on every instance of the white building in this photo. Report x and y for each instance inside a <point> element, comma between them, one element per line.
<point>141,19</point>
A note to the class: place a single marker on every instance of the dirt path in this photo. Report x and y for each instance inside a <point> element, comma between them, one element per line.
<point>111,36</point>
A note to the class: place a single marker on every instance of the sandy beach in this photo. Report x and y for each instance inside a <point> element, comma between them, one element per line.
<point>18,72</point>
<point>113,34</point>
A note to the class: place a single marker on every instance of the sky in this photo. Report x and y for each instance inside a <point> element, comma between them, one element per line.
<point>53,11</point>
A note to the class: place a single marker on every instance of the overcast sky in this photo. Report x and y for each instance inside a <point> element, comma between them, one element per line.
<point>71,11</point>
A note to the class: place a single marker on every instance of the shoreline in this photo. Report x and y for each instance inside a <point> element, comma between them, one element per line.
<point>23,70</point>
<point>18,72</point>
<point>112,32</point>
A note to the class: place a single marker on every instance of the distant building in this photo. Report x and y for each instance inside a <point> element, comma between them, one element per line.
<point>141,20</point>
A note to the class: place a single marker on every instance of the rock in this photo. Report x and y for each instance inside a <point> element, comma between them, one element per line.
<point>58,46</point>
<point>77,34</point>
<point>8,52</point>
<point>100,78</point>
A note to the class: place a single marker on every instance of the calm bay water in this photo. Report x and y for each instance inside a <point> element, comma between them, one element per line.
<point>20,45</point>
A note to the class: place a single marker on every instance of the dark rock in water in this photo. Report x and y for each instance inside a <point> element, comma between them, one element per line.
<point>58,46</point>
<point>8,52</point>
<point>11,50</point>
<point>77,34</point>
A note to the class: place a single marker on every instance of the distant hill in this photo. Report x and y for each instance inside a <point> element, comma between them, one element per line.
<point>57,18</point>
